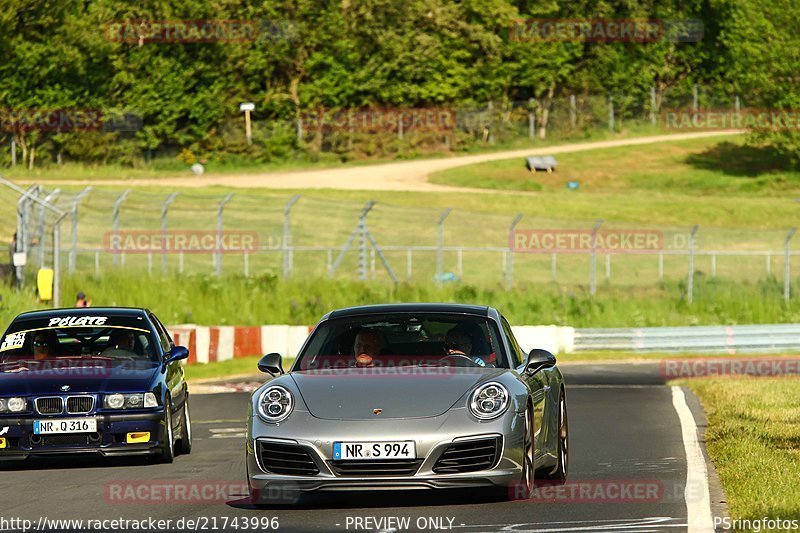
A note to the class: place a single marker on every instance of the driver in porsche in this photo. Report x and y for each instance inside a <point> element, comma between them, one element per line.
<point>368,344</point>
<point>458,341</point>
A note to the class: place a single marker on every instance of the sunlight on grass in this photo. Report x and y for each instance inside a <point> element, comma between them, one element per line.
<point>753,438</point>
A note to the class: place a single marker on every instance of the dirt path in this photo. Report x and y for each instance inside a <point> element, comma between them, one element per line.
<point>403,176</point>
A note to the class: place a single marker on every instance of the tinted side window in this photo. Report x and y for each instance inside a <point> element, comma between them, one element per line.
<point>163,336</point>
<point>516,352</point>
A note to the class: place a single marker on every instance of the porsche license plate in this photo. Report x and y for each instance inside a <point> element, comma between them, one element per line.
<point>403,449</point>
<point>64,425</point>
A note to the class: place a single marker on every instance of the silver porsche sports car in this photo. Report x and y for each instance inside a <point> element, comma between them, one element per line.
<point>408,396</point>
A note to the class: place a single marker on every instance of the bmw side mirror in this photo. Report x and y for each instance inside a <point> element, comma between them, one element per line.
<point>538,360</point>
<point>271,364</point>
<point>177,353</point>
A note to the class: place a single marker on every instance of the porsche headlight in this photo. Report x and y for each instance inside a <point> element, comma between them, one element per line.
<point>275,404</point>
<point>488,401</point>
<point>130,401</point>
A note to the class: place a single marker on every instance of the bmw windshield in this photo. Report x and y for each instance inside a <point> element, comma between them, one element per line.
<point>46,343</point>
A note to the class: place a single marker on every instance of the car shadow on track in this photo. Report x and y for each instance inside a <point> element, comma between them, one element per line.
<point>70,462</point>
<point>374,500</point>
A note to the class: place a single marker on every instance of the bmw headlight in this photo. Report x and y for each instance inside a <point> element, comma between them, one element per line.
<point>488,401</point>
<point>130,401</point>
<point>275,404</point>
<point>12,405</point>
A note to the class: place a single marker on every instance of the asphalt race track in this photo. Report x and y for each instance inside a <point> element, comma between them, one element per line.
<point>627,472</point>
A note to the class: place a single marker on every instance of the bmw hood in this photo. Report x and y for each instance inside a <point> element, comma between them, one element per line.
<point>412,392</point>
<point>21,380</point>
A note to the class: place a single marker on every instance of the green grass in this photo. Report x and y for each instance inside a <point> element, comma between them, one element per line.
<point>233,367</point>
<point>264,299</point>
<point>753,439</point>
<point>172,166</point>
<point>615,355</point>
<point>711,166</point>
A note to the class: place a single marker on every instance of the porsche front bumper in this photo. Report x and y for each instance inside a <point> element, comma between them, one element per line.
<point>433,437</point>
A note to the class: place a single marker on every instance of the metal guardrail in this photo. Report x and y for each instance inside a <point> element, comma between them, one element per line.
<point>750,338</point>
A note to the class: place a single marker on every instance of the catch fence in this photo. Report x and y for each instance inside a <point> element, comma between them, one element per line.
<point>311,236</point>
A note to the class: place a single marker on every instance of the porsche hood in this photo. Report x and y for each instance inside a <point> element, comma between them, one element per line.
<point>413,392</point>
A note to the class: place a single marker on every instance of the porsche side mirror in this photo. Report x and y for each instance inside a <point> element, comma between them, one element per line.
<point>539,359</point>
<point>271,364</point>
<point>177,353</point>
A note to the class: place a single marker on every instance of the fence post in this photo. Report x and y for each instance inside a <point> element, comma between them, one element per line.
<point>220,209</point>
<point>787,267</point>
<point>690,284</point>
<point>694,98</point>
<point>22,238</point>
<point>510,269</point>
<point>164,211</point>
<point>554,266</point>
<point>737,105</point>
<point>573,112</point>
<point>713,266</point>
<point>440,245</point>
<point>42,235</point>
<point>74,248</point>
<point>611,113</point>
<point>593,258</point>
<point>362,234</point>
<point>288,256</point>
<point>56,265</point>
<point>57,260</point>
<point>608,267</point>
<point>409,263</point>
<point>299,131</point>
<point>13,152</point>
<point>115,219</point>
<point>531,119</point>
<point>653,106</point>
<point>660,268</point>
<point>769,266</point>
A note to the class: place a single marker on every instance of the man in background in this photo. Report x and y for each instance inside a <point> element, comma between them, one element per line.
<point>81,301</point>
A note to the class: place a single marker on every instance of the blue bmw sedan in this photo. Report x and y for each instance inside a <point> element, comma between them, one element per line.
<point>92,380</point>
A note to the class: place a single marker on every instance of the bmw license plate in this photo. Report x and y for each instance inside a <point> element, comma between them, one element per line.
<point>64,425</point>
<point>403,449</point>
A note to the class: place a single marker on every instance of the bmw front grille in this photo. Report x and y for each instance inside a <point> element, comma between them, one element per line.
<point>79,405</point>
<point>50,405</point>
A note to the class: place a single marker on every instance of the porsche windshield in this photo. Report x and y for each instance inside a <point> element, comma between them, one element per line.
<point>405,339</point>
<point>48,344</point>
